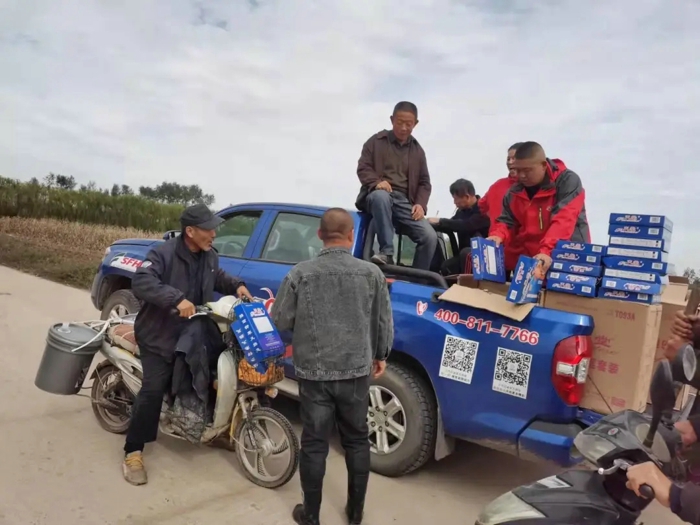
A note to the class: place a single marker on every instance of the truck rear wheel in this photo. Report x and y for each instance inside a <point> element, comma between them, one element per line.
<point>402,421</point>
<point>119,304</point>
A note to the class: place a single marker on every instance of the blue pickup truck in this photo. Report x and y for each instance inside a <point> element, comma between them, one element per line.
<point>458,370</point>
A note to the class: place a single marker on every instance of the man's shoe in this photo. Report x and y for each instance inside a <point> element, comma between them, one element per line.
<point>382,259</point>
<point>134,470</point>
<point>299,516</point>
<point>354,515</point>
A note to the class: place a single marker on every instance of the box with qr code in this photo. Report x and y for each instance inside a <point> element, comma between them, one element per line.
<point>657,221</point>
<point>577,268</point>
<point>573,288</point>
<point>639,232</point>
<point>583,247</point>
<point>488,262</point>
<point>593,259</point>
<point>635,297</point>
<point>621,241</point>
<point>615,283</point>
<point>650,277</point>
<point>525,286</point>
<point>637,253</point>
<point>638,265</point>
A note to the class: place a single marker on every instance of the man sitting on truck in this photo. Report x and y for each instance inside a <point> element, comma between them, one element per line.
<point>396,187</point>
<point>467,222</point>
<point>545,206</point>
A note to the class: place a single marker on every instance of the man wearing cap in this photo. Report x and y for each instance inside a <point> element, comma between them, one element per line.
<point>178,274</point>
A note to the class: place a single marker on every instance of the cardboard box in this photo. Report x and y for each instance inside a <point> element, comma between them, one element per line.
<point>490,286</point>
<point>624,345</point>
<point>614,283</point>
<point>577,257</point>
<point>583,247</point>
<point>673,299</point>
<point>636,253</point>
<point>575,288</point>
<point>486,300</point>
<point>659,221</point>
<point>650,277</point>
<point>525,287</point>
<point>634,297</point>
<point>488,261</point>
<point>641,232</point>
<point>636,242</point>
<point>630,263</point>
<point>577,268</point>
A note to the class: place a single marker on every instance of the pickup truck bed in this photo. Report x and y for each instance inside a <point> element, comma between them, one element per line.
<point>457,370</point>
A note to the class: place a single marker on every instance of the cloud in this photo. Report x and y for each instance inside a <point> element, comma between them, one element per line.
<point>271,100</point>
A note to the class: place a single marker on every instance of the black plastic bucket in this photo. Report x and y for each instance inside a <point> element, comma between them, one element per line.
<point>62,370</point>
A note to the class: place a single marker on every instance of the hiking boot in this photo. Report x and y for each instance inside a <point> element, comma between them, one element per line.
<point>301,518</point>
<point>382,259</point>
<point>134,470</point>
<point>354,514</point>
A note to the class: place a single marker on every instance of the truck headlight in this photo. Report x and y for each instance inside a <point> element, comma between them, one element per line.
<point>507,507</point>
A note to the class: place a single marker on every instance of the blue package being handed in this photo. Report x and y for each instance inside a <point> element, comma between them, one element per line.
<point>258,337</point>
<point>525,287</point>
<point>488,261</point>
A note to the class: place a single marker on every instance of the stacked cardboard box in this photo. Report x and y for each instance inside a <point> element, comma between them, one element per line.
<point>576,268</point>
<point>636,264</point>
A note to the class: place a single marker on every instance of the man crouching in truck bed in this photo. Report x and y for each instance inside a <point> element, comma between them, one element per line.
<point>545,206</point>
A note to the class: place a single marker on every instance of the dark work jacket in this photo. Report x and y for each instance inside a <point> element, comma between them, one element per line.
<point>467,223</point>
<point>162,282</point>
<point>685,499</point>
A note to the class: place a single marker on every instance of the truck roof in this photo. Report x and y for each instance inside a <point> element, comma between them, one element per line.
<point>284,205</point>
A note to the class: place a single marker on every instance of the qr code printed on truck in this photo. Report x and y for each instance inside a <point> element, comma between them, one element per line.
<point>511,375</point>
<point>458,359</point>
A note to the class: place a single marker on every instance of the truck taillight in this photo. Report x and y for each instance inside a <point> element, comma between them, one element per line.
<point>572,356</point>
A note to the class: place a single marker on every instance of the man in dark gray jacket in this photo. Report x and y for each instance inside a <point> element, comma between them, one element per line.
<point>179,274</point>
<point>339,312</point>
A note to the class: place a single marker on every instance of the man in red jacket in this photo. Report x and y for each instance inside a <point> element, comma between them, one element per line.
<point>546,205</point>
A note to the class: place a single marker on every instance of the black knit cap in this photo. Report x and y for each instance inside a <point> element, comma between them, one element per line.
<point>199,216</point>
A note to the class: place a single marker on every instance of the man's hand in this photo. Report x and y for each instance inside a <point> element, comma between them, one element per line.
<point>384,185</point>
<point>186,308</point>
<point>243,292</point>
<point>378,368</point>
<point>417,213</point>
<point>687,432</point>
<point>683,326</point>
<point>648,473</point>
<point>545,264</point>
<point>495,239</point>
<point>434,221</point>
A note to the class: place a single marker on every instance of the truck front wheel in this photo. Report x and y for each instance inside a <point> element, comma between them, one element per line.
<point>402,419</point>
<point>119,304</point>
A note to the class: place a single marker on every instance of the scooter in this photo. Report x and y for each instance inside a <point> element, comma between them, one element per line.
<point>258,433</point>
<point>613,444</point>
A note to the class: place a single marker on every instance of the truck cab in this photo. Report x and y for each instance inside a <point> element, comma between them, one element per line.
<point>459,369</point>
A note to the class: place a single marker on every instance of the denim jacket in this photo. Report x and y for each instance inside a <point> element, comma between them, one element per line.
<point>339,312</point>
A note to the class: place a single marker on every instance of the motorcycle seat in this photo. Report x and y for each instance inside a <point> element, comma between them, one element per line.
<point>123,336</point>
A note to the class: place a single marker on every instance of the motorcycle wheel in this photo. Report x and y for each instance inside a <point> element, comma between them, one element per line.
<point>109,419</point>
<point>281,444</point>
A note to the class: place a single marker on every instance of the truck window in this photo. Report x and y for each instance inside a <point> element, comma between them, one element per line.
<point>293,238</point>
<point>233,234</point>
<point>408,249</point>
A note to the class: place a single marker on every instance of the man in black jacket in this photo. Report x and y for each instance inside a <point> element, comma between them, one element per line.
<point>178,274</point>
<point>467,222</point>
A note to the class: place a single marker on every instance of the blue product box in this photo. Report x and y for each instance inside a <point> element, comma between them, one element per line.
<point>636,253</point>
<point>488,262</point>
<point>629,296</point>
<point>637,265</point>
<point>525,287</point>
<point>258,337</point>
<point>638,242</point>
<point>660,221</point>
<point>626,285</point>
<point>584,247</point>
<point>640,232</point>
<point>647,277</point>
<point>593,259</point>
<point>577,268</point>
<point>584,290</point>
<point>572,278</point>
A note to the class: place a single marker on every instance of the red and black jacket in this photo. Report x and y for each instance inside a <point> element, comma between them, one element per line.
<point>556,212</point>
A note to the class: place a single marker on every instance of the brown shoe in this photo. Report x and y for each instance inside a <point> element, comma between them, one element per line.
<point>134,470</point>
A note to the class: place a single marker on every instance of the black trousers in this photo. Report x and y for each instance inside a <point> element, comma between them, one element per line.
<point>456,265</point>
<point>325,404</point>
<point>157,376</point>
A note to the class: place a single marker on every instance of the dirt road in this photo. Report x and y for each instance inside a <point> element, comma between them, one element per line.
<point>60,467</point>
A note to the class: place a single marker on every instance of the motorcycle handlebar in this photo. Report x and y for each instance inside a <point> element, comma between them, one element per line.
<point>201,310</point>
<point>647,492</point>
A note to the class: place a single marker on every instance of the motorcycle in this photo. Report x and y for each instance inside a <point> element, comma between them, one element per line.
<point>240,412</point>
<point>613,444</point>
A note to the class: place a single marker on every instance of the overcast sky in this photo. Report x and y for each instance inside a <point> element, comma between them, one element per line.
<point>272,100</point>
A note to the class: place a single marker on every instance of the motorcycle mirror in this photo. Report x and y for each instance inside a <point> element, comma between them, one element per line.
<point>684,366</point>
<point>663,397</point>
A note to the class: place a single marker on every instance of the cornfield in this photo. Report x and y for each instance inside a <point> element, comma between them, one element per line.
<point>18,199</point>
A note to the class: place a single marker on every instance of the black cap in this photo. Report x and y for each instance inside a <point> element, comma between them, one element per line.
<point>199,216</point>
